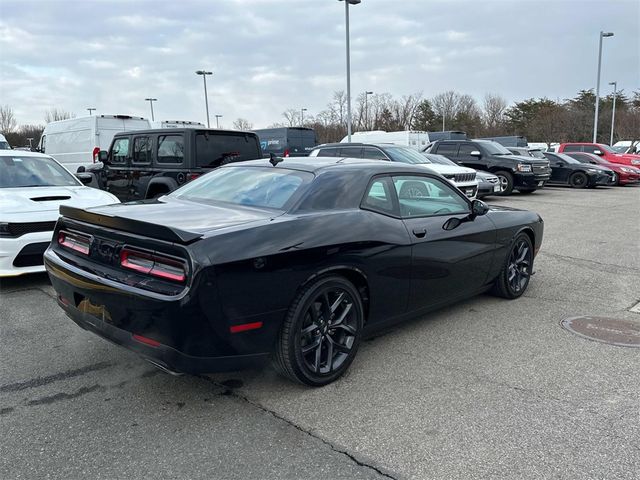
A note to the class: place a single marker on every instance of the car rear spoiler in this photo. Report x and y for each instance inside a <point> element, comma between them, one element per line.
<point>138,227</point>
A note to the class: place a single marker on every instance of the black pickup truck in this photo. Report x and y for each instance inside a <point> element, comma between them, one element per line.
<point>525,174</point>
<point>149,163</point>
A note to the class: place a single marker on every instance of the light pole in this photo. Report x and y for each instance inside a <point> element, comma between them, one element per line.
<point>443,120</point>
<point>613,112</point>
<point>204,74</point>
<point>151,100</point>
<point>346,17</point>
<point>218,123</point>
<point>91,110</point>
<point>595,120</point>
<point>302,110</point>
<point>366,109</point>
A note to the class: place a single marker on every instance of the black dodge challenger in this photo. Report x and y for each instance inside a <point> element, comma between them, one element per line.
<point>291,260</point>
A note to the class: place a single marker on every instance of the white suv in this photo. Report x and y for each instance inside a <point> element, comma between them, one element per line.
<point>462,177</point>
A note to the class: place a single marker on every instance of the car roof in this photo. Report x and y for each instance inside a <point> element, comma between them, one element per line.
<point>167,131</point>
<point>359,144</point>
<point>22,153</point>
<point>317,164</point>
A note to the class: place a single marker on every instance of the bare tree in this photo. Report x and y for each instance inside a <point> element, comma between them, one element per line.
<point>242,124</point>
<point>292,117</point>
<point>494,108</point>
<point>446,105</point>
<point>7,119</point>
<point>56,114</point>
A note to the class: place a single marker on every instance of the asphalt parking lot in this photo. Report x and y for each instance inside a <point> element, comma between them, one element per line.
<point>487,388</point>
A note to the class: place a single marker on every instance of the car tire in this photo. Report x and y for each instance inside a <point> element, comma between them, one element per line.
<point>516,272</point>
<point>578,180</point>
<point>505,180</point>
<point>527,190</point>
<point>320,335</point>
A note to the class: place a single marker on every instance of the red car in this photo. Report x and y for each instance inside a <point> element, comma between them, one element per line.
<point>602,150</point>
<point>624,174</point>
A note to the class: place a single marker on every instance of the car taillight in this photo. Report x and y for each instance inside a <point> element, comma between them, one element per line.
<point>73,241</point>
<point>192,176</point>
<point>286,152</point>
<point>96,154</point>
<point>152,264</point>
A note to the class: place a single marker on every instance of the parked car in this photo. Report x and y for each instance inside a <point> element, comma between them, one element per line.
<point>566,170</point>
<point>627,146</point>
<point>527,152</point>
<point>525,174</point>
<point>623,174</point>
<point>602,150</point>
<point>76,142</point>
<point>287,141</point>
<point>4,145</point>
<point>416,139</point>
<point>463,178</point>
<point>488,184</point>
<point>509,140</point>
<point>295,260</point>
<point>151,163</point>
<point>32,188</point>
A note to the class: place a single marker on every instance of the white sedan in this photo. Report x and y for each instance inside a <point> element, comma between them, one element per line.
<point>32,188</point>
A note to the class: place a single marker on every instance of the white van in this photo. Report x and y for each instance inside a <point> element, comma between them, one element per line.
<point>4,145</point>
<point>416,139</point>
<point>77,142</point>
<point>176,124</point>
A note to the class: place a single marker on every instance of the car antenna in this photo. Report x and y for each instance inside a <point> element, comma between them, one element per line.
<point>274,160</point>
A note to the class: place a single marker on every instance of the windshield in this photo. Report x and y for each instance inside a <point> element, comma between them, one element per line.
<point>494,148</point>
<point>620,149</point>
<point>25,171</point>
<point>252,186</point>
<point>4,146</point>
<point>405,155</point>
<point>439,159</point>
<point>606,148</point>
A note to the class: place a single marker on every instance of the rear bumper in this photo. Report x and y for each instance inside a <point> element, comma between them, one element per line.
<point>163,356</point>
<point>186,333</point>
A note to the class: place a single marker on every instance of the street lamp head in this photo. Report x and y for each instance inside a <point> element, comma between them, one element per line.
<point>304,109</point>
<point>606,34</point>
<point>203,72</point>
<point>151,99</point>
<point>368,93</point>
<point>352,2</point>
<point>613,83</point>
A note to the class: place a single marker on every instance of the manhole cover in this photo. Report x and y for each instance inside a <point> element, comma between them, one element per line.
<point>623,333</point>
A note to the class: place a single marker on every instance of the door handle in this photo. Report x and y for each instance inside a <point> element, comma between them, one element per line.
<point>420,232</point>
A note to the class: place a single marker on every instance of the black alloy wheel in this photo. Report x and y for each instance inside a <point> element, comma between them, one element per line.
<point>578,180</point>
<point>516,273</point>
<point>505,180</point>
<point>320,336</point>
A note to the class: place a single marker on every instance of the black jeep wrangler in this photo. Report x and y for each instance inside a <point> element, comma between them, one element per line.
<point>525,174</point>
<point>150,163</point>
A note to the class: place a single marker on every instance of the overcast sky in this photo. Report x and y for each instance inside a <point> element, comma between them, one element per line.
<point>270,55</point>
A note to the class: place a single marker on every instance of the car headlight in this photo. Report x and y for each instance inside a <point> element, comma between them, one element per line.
<point>592,170</point>
<point>627,170</point>
<point>635,162</point>
<point>524,167</point>
<point>4,230</point>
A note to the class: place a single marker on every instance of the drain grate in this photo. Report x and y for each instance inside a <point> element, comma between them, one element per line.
<point>623,333</point>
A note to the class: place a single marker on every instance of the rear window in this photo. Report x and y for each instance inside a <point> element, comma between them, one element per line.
<point>214,150</point>
<point>170,149</point>
<point>252,186</point>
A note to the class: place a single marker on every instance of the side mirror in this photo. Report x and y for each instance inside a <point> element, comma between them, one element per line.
<point>478,207</point>
<point>85,178</point>
<point>598,152</point>
<point>81,169</point>
<point>475,153</point>
<point>103,156</point>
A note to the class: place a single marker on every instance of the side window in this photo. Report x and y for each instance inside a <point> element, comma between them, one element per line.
<point>374,153</point>
<point>379,196</point>
<point>141,150</point>
<point>589,148</point>
<point>327,152</point>
<point>466,149</point>
<point>170,149</point>
<point>447,149</point>
<point>572,148</point>
<point>352,152</point>
<point>425,196</point>
<point>120,150</point>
